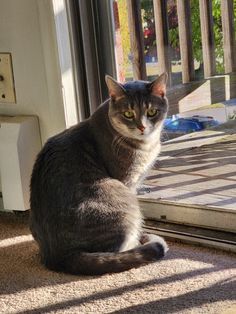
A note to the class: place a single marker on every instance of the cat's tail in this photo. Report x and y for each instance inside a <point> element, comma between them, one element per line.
<point>102,263</point>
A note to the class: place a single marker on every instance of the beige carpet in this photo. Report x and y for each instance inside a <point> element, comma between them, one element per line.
<point>189,280</point>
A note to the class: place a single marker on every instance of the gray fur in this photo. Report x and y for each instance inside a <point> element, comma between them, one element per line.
<point>84,212</point>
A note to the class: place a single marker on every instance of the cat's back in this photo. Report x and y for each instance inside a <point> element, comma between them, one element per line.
<point>64,162</point>
<point>66,146</point>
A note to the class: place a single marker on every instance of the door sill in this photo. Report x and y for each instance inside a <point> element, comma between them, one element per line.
<point>195,235</point>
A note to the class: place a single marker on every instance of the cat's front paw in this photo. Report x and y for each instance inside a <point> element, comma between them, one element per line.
<point>153,238</point>
<point>144,238</point>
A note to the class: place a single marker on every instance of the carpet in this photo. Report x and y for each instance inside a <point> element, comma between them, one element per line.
<point>190,279</point>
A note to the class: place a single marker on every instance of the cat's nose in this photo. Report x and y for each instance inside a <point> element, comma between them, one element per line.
<point>141,128</point>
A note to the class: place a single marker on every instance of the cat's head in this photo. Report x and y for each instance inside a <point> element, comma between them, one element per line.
<point>137,109</point>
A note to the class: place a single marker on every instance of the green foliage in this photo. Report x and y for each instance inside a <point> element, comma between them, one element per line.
<point>147,17</point>
<point>174,37</point>
<point>196,30</point>
<point>218,35</point>
<point>147,9</point>
<point>217,28</point>
<point>235,15</point>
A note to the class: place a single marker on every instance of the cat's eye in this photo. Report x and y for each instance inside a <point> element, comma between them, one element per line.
<point>151,112</point>
<point>129,114</point>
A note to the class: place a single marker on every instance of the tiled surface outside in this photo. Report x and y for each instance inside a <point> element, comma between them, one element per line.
<point>189,172</point>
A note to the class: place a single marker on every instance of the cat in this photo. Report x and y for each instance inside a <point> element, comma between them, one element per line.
<point>84,212</point>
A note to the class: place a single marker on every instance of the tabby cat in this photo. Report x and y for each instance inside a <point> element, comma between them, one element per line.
<point>84,211</point>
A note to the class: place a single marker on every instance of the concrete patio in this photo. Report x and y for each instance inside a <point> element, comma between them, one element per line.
<point>194,181</point>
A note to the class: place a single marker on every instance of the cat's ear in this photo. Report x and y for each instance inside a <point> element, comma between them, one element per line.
<point>158,86</point>
<point>115,89</point>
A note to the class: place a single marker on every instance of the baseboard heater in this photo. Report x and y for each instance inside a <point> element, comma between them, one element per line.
<point>20,142</point>
<point>197,235</point>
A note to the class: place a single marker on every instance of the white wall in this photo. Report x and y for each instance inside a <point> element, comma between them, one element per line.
<point>27,31</point>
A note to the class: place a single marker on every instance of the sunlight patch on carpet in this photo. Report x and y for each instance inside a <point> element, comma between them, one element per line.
<point>15,240</point>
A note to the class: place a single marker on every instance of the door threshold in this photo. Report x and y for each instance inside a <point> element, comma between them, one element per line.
<point>195,235</point>
<point>202,216</point>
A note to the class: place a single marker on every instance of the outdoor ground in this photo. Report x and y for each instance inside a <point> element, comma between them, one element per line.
<point>198,168</point>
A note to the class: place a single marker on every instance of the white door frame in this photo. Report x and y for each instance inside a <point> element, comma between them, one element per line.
<point>63,37</point>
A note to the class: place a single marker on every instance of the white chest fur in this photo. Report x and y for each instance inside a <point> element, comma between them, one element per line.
<point>143,161</point>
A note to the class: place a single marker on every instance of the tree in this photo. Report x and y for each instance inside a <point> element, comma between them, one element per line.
<point>196,30</point>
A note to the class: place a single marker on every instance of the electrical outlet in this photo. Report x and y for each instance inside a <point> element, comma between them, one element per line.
<point>7,90</point>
